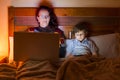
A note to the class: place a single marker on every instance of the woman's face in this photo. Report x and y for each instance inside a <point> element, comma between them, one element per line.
<point>80,35</point>
<point>43,18</point>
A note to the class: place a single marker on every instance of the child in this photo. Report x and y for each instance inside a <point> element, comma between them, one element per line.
<point>81,45</point>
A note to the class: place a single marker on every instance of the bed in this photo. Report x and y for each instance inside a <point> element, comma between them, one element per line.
<point>105,23</point>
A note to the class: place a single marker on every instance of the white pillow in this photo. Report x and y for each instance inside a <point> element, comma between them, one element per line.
<point>11,50</point>
<point>108,45</point>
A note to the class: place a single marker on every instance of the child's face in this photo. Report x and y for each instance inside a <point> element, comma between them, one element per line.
<point>80,35</point>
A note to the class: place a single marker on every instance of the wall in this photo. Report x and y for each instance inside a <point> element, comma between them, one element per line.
<point>4,27</point>
<point>69,3</point>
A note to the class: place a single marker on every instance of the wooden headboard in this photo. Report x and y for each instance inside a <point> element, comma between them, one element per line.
<point>102,20</point>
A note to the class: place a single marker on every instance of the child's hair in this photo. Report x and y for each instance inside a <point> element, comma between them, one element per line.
<point>81,26</point>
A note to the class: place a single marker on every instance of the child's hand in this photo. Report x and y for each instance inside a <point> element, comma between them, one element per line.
<point>70,56</point>
<point>94,54</point>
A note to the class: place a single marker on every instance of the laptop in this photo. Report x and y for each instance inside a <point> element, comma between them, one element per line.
<point>36,46</point>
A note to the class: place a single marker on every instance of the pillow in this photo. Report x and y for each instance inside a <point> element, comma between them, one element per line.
<point>11,39</point>
<point>108,44</point>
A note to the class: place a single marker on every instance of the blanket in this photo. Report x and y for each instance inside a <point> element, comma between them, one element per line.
<point>89,68</point>
<point>36,70</point>
<point>7,72</point>
<point>78,68</point>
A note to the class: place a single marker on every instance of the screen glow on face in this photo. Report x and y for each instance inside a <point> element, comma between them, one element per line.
<point>80,35</point>
<point>43,18</point>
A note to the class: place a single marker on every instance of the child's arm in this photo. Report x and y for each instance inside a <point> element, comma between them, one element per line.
<point>93,48</point>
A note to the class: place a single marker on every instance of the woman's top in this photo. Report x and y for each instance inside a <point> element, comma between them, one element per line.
<point>47,29</point>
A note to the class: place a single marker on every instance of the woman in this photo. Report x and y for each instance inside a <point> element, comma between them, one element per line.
<point>47,22</point>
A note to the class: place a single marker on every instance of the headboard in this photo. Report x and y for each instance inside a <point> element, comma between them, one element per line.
<point>102,20</point>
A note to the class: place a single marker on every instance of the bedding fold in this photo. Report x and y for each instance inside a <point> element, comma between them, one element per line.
<point>7,72</point>
<point>89,68</point>
<point>36,70</point>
